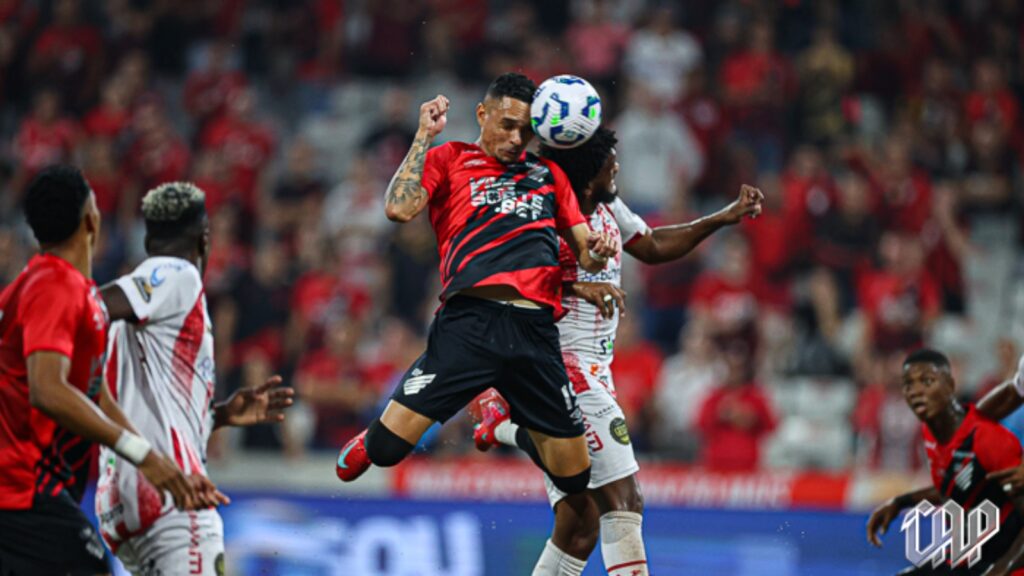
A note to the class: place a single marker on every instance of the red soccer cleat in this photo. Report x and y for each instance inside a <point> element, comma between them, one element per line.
<point>352,460</point>
<point>493,410</point>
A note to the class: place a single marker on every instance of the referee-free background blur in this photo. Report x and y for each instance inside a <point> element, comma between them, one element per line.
<point>886,136</point>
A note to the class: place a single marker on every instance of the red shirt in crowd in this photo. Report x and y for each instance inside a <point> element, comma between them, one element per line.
<point>50,307</point>
<point>39,145</point>
<point>898,307</point>
<point>733,421</point>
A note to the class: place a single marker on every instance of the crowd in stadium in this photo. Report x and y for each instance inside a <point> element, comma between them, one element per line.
<point>886,137</point>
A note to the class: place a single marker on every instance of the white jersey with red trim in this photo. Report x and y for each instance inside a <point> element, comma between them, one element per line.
<point>161,372</point>
<point>586,337</point>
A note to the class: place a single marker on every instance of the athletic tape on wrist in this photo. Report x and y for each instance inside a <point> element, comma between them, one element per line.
<point>132,448</point>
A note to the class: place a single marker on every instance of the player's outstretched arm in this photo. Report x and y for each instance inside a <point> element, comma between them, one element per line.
<point>50,393</point>
<point>406,196</point>
<point>592,249</point>
<point>882,517</point>
<point>1001,401</point>
<point>667,243</point>
<point>264,404</point>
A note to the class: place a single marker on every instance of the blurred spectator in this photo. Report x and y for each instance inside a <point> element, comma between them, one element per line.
<point>157,153</point>
<point>686,379</point>
<point>46,137</point>
<point>300,190</point>
<point>247,144</point>
<point>825,72</point>
<point>111,118</point>
<point>116,196</point>
<point>660,56</point>
<point>900,299</point>
<point>386,143</point>
<point>735,417</point>
<point>635,369</point>
<point>69,54</point>
<point>207,89</point>
<point>331,379</point>
<point>887,433</point>
<point>356,206</point>
<point>658,155</point>
<point>597,42</point>
<point>729,300</point>
<point>255,315</point>
<point>756,83</point>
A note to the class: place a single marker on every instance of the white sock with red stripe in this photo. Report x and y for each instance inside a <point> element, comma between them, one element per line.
<point>622,544</point>
<point>506,433</point>
<point>554,562</point>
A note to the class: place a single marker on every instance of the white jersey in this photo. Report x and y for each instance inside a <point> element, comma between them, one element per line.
<point>586,337</point>
<point>160,370</point>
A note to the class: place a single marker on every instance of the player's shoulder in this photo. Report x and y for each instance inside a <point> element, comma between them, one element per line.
<point>165,272</point>
<point>991,436</point>
<point>47,273</point>
<point>453,149</point>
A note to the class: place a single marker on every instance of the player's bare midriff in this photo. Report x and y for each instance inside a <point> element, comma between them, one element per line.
<point>500,293</point>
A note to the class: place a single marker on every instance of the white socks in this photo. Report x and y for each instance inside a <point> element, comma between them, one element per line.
<point>506,433</point>
<point>554,562</point>
<point>622,544</point>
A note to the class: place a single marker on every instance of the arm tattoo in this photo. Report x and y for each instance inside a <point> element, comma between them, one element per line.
<point>406,190</point>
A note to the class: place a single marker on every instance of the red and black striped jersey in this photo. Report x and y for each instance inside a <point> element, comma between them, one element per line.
<point>498,223</point>
<point>50,307</point>
<point>958,469</point>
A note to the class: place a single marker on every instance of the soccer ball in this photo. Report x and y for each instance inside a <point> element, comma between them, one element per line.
<point>566,111</point>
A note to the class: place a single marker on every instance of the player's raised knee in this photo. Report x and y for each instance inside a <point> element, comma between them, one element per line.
<point>384,447</point>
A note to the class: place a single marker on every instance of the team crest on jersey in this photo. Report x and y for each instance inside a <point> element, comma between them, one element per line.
<point>619,431</point>
<point>142,285</point>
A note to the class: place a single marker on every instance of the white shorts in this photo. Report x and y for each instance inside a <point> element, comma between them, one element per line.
<point>178,543</point>
<point>611,453</point>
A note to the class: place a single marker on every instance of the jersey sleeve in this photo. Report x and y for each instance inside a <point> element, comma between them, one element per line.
<point>997,448</point>
<point>632,226</point>
<point>161,291</point>
<point>567,207</point>
<point>435,168</point>
<point>49,317</point>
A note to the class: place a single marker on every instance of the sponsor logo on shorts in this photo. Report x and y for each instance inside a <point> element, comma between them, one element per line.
<point>417,381</point>
<point>92,543</point>
<point>619,431</point>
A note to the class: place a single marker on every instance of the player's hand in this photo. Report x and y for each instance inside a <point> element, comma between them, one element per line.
<point>747,205</point>
<point>603,245</point>
<point>1011,480</point>
<point>261,405</point>
<point>207,493</point>
<point>603,295</point>
<point>164,474</point>
<point>878,523</point>
<point>434,116</point>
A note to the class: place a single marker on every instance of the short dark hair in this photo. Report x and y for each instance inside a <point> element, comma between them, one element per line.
<point>583,163</point>
<point>927,356</point>
<point>54,203</point>
<point>513,85</point>
<point>174,211</point>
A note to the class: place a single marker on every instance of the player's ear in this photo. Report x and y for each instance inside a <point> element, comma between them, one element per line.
<point>481,114</point>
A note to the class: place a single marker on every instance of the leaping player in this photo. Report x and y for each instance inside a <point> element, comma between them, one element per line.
<point>497,211</point>
<point>161,372</point>
<point>586,335</point>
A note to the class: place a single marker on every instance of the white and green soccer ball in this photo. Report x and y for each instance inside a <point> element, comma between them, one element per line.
<point>566,111</point>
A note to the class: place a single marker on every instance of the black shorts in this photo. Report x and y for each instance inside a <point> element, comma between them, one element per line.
<point>475,344</point>
<point>52,538</point>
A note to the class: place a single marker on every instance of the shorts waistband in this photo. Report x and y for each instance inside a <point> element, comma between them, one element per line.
<point>467,301</point>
